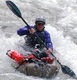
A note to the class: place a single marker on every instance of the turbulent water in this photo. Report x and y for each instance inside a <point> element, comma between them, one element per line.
<point>61,18</point>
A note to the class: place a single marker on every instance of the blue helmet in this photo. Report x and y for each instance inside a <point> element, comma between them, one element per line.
<point>40,20</point>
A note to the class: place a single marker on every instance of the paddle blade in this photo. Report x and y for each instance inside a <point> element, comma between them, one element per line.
<point>67,70</point>
<point>13,8</point>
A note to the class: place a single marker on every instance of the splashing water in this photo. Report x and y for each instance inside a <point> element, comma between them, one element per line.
<point>61,20</point>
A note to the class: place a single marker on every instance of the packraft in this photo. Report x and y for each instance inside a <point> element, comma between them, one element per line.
<point>32,66</point>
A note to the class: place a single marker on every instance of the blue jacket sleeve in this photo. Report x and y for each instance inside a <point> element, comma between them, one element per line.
<point>23,31</point>
<point>48,40</point>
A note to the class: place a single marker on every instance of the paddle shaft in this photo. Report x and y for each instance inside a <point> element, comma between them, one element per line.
<point>25,22</point>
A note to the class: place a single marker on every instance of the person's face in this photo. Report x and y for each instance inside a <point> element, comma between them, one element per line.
<point>40,26</point>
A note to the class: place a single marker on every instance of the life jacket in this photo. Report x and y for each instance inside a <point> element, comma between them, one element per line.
<point>32,40</point>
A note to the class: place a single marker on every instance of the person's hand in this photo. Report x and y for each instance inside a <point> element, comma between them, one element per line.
<point>32,31</point>
<point>49,50</point>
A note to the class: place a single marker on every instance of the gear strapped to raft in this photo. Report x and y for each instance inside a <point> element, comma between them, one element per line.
<point>36,54</point>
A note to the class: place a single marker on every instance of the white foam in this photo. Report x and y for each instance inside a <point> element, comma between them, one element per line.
<point>61,12</point>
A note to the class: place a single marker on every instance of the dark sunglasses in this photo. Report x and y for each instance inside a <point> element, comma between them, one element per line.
<point>40,24</point>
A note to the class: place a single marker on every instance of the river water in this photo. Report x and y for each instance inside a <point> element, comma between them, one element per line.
<point>61,18</point>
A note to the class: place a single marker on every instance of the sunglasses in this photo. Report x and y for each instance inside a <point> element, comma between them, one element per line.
<point>40,24</point>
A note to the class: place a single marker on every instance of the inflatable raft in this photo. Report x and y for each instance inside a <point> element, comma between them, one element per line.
<point>44,70</point>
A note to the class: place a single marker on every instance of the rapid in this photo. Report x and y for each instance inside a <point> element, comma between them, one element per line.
<point>61,19</point>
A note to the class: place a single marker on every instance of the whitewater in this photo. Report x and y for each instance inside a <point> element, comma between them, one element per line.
<point>61,23</point>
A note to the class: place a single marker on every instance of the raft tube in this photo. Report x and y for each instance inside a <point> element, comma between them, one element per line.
<point>33,69</point>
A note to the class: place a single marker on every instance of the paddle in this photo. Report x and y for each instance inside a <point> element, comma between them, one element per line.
<point>16,11</point>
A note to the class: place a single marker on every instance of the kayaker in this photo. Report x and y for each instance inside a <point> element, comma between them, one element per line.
<point>39,28</point>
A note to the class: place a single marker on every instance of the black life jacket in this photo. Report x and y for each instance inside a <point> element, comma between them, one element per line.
<point>31,40</point>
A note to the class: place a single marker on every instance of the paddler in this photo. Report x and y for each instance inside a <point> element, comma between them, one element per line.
<point>39,28</point>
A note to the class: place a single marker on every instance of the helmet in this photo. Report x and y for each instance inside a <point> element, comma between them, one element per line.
<point>40,20</point>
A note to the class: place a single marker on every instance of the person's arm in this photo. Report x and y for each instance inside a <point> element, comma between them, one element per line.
<point>48,42</point>
<point>23,31</point>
